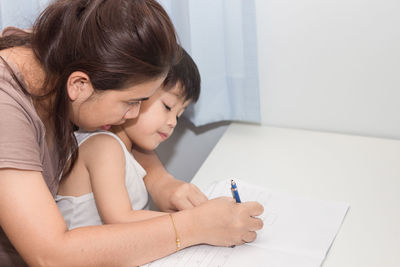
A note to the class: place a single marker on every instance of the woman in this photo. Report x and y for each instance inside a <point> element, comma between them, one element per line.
<point>90,63</point>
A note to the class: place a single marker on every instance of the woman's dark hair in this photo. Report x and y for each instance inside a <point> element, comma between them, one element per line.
<point>117,43</point>
<point>186,74</point>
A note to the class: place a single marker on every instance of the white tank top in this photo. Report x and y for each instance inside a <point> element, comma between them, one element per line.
<point>81,211</point>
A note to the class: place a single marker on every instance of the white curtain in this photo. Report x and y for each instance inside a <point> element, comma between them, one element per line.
<point>220,35</point>
<point>20,13</point>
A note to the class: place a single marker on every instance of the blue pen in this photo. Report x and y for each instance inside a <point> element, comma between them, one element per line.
<point>235,192</point>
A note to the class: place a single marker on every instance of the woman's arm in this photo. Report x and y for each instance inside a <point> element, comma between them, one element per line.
<point>32,222</point>
<point>168,193</point>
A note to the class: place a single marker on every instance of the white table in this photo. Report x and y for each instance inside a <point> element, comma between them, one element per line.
<point>362,171</point>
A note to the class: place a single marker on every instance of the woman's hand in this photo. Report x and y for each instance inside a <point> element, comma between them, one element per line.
<point>223,222</point>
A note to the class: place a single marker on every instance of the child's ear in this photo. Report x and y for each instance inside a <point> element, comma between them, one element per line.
<point>79,86</point>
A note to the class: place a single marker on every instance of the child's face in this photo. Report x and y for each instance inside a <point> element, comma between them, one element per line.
<point>157,118</point>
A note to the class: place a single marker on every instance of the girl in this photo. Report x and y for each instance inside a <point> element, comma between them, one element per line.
<point>106,184</point>
<point>88,63</point>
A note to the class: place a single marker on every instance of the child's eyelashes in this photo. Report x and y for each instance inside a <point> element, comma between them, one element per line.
<point>167,107</point>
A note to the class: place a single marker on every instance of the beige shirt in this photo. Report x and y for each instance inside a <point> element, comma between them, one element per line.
<point>22,145</point>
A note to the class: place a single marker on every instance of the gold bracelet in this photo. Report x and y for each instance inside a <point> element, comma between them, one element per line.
<point>178,241</point>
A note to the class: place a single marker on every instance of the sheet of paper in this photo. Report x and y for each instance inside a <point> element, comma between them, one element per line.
<point>245,255</point>
<point>297,231</point>
<point>292,224</point>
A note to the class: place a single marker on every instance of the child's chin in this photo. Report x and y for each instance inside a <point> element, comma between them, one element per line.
<point>155,146</point>
<point>150,147</point>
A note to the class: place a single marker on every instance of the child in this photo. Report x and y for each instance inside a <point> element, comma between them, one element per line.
<point>106,185</point>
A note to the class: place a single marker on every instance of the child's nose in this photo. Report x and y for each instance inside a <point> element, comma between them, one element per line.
<point>172,121</point>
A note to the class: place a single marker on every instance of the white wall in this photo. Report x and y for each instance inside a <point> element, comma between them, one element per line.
<point>323,65</point>
<point>330,65</point>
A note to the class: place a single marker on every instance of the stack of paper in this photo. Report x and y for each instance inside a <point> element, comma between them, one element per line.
<point>297,231</point>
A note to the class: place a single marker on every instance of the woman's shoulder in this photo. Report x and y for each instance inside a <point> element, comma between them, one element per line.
<point>11,79</point>
<point>8,73</point>
<point>16,106</point>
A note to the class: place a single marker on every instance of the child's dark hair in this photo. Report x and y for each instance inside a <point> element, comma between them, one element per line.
<point>186,74</point>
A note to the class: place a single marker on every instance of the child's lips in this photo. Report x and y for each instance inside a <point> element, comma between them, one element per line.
<point>163,135</point>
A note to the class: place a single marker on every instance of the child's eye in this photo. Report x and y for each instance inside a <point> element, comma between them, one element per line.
<point>167,107</point>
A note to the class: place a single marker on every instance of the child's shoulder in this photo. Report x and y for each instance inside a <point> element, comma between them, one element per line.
<point>100,143</point>
<point>82,137</point>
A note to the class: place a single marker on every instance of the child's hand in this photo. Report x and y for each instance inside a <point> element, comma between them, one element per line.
<point>175,195</point>
<point>168,193</point>
<point>185,195</point>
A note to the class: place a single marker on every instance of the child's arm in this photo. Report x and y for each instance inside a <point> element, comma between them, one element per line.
<point>104,160</point>
<point>168,193</point>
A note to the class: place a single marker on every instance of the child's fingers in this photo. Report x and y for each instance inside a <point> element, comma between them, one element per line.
<point>197,197</point>
<point>191,201</point>
<point>187,197</point>
<point>184,204</point>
